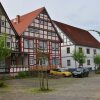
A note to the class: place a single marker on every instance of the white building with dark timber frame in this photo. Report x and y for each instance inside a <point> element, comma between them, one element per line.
<point>11,41</point>
<point>77,39</point>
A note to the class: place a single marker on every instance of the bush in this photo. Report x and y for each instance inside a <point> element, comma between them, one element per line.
<point>2,84</point>
<point>98,72</point>
<point>23,74</point>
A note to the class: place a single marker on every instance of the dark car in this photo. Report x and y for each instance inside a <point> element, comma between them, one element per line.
<point>80,72</point>
<point>71,69</point>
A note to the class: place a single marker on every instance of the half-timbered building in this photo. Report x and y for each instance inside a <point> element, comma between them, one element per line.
<point>11,41</point>
<point>39,42</point>
<point>77,39</point>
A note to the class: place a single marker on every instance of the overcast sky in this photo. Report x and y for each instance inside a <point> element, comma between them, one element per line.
<point>84,14</point>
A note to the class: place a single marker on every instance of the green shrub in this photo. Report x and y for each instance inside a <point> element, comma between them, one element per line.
<point>98,72</point>
<point>2,84</point>
<point>23,74</point>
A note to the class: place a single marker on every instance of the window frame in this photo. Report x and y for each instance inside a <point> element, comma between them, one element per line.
<point>68,62</point>
<point>68,50</point>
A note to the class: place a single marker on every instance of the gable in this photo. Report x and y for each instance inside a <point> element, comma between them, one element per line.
<point>7,27</point>
<point>29,19</point>
<point>66,40</point>
<point>5,24</point>
<point>42,27</point>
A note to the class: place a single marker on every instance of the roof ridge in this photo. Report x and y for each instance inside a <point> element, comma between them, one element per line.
<point>28,17</point>
<point>30,12</point>
<point>70,25</point>
<point>79,36</point>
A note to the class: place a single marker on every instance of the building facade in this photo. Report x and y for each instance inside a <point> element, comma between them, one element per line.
<point>34,41</point>
<point>77,39</point>
<point>39,42</point>
<point>11,40</point>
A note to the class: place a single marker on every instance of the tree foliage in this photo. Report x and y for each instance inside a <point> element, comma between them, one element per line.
<point>4,50</point>
<point>97,59</point>
<point>95,31</point>
<point>79,57</point>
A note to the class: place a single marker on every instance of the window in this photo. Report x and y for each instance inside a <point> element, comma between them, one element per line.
<point>31,60</point>
<point>33,30</point>
<point>41,22</point>
<point>88,62</point>
<point>80,50</point>
<point>8,44</point>
<point>68,63</point>
<point>88,51</point>
<point>36,21</point>
<point>2,23</point>
<point>68,50</point>
<point>43,61</point>
<point>42,45</point>
<point>45,23</point>
<point>49,33</point>
<point>94,50</point>
<point>31,44</point>
<point>55,61</point>
<point>25,43</point>
<point>2,63</point>
<point>55,46</point>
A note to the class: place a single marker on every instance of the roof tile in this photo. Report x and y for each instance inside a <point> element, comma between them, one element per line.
<point>25,20</point>
<point>78,36</point>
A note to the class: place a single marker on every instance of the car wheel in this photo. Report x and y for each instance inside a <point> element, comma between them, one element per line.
<point>87,75</point>
<point>82,75</point>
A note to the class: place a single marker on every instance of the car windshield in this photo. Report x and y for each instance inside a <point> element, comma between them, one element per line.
<point>79,69</point>
<point>62,70</point>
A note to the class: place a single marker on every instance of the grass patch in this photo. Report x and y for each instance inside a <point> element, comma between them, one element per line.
<point>36,90</point>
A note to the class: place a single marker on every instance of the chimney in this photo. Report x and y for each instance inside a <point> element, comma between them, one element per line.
<point>18,18</point>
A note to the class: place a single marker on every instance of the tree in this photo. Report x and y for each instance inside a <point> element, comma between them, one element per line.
<point>79,57</point>
<point>97,61</point>
<point>43,75</point>
<point>4,50</point>
<point>95,31</point>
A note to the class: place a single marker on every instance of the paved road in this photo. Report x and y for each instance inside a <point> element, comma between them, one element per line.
<point>83,89</point>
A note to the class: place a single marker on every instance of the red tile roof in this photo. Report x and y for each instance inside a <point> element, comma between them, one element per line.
<point>25,20</point>
<point>78,36</point>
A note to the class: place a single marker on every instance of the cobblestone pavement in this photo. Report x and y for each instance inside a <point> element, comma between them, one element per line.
<point>81,89</point>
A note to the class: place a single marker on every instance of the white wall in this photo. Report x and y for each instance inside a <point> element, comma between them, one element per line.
<point>66,56</point>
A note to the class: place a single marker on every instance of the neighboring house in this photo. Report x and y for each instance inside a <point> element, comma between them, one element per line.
<point>38,37</point>
<point>77,39</point>
<point>11,41</point>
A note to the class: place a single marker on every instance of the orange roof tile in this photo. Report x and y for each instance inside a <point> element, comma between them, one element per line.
<point>25,20</point>
<point>78,36</point>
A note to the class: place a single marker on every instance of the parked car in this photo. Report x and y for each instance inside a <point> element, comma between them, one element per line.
<point>71,69</point>
<point>60,72</point>
<point>80,72</point>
